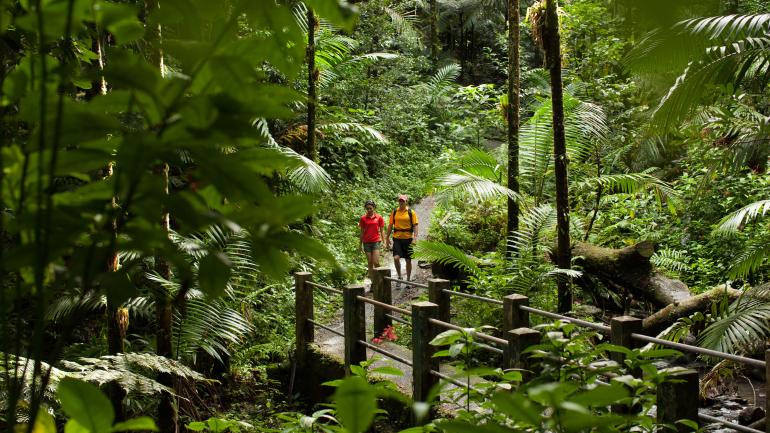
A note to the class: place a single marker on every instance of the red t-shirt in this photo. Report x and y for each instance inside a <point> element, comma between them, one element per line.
<point>371,227</point>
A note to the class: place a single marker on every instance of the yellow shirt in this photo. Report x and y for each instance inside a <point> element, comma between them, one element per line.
<point>401,226</point>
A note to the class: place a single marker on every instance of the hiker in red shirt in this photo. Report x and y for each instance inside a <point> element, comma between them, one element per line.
<point>372,233</point>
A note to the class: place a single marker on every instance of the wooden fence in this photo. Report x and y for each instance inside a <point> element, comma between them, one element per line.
<point>677,398</point>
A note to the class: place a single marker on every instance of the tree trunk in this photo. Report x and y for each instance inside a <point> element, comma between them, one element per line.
<point>629,269</point>
<point>168,421</point>
<point>312,77</point>
<point>514,83</point>
<point>434,48</point>
<point>168,418</point>
<point>551,41</point>
<point>671,313</point>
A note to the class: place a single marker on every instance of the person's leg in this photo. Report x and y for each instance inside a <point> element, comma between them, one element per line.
<point>408,269</point>
<point>370,260</point>
<point>376,258</point>
<point>397,263</point>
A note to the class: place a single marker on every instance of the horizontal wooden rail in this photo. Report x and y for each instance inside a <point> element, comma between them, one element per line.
<point>732,425</point>
<point>410,283</point>
<point>596,326</point>
<point>323,287</point>
<point>319,325</point>
<point>390,355</point>
<point>452,380</point>
<point>700,350</point>
<point>481,335</point>
<point>474,297</point>
<point>428,318</point>
<point>398,319</point>
<point>385,306</point>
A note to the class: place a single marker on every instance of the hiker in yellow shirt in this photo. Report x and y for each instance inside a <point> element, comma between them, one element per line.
<point>403,224</point>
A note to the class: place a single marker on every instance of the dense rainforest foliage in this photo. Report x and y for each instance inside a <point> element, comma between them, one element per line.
<point>167,165</point>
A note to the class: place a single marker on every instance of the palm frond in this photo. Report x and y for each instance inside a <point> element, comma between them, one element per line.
<point>405,24</point>
<point>727,64</point>
<point>753,256</point>
<point>740,329</point>
<point>631,183</point>
<point>445,76</point>
<point>437,252</point>
<point>308,176</point>
<point>348,127</point>
<point>480,163</point>
<point>736,220</point>
<point>472,186</point>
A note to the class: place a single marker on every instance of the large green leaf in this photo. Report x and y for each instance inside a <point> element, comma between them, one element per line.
<point>214,272</point>
<point>356,403</point>
<point>85,404</point>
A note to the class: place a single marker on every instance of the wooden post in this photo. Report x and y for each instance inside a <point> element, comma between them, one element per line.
<point>519,340</point>
<point>678,399</point>
<point>767,390</point>
<point>422,352</point>
<point>303,308</point>
<point>513,316</point>
<point>438,296</point>
<point>354,315</point>
<point>621,329</point>
<point>381,292</point>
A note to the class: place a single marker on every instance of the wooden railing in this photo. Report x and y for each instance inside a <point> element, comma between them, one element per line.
<point>677,397</point>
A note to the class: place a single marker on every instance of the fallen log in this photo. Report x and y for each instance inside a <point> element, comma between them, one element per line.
<point>630,269</point>
<point>669,314</point>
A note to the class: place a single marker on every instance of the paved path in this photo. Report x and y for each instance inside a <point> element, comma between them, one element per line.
<point>333,345</point>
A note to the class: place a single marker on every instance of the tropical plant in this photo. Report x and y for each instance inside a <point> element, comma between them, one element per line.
<point>62,223</point>
<point>731,50</point>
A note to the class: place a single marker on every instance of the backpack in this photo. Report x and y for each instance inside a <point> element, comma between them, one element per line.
<point>411,220</point>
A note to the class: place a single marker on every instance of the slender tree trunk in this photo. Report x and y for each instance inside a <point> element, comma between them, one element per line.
<point>598,200</point>
<point>312,78</point>
<point>168,418</point>
<point>168,421</point>
<point>117,317</point>
<point>434,47</point>
<point>551,41</point>
<point>513,118</point>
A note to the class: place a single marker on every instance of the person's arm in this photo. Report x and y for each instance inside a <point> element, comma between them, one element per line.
<point>361,239</point>
<point>414,233</point>
<point>382,231</point>
<point>390,229</point>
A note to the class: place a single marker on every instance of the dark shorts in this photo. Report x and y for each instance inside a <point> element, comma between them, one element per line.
<point>369,247</point>
<point>402,248</point>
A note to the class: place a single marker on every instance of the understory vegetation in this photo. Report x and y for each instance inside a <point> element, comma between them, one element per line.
<point>166,166</point>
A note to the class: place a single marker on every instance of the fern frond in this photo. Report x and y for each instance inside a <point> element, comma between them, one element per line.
<point>437,252</point>
<point>673,260</point>
<point>534,224</point>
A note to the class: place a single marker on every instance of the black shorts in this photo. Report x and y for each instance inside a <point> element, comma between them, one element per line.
<point>402,248</point>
